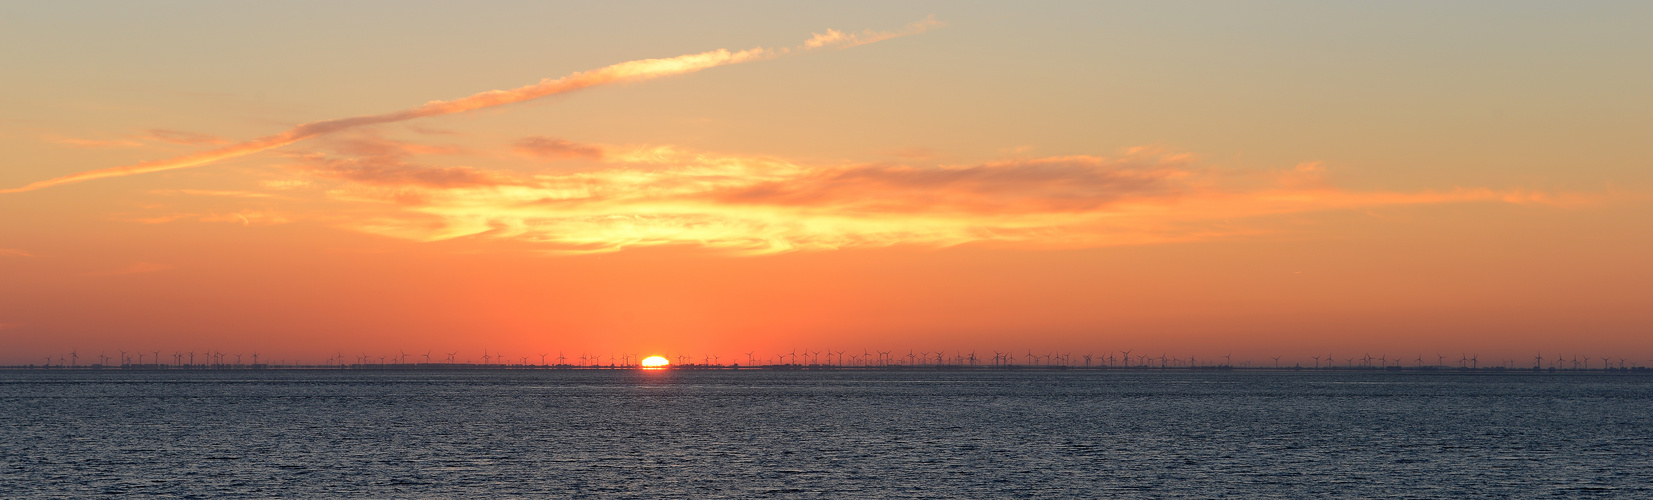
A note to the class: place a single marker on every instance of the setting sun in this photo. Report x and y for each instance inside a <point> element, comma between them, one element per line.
<point>655,362</point>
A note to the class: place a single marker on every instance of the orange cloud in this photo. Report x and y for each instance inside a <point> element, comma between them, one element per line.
<point>835,38</point>
<point>13,252</point>
<point>760,205</point>
<point>546,147</point>
<point>391,171</point>
<point>629,71</point>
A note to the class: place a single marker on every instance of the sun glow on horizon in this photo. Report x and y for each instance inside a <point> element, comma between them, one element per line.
<point>655,363</point>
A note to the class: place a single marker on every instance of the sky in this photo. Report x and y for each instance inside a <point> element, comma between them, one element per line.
<point>314,180</point>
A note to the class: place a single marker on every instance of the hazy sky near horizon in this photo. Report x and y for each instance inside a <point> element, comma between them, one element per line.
<point>1261,178</point>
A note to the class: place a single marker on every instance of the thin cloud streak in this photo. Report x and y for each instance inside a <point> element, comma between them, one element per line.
<point>629,71</point>
<point>556,149</point>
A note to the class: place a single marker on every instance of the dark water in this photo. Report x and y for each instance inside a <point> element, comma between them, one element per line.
<point>824,434</point>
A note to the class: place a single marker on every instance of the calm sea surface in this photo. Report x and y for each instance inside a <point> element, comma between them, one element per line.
<point>823,434</point>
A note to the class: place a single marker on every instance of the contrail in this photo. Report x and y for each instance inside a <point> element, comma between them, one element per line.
<point>642,69</point>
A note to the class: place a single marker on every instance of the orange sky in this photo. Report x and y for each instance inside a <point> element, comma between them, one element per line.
<point>951,178</point>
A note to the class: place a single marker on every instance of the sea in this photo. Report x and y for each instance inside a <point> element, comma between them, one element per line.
<point>824,434</point>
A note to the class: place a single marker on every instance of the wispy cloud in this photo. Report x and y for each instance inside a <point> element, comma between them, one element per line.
<point>13,252</point>
<point>551,148</point>
<point>835,38</point>
<point>135,268</point>
<point>763,205</point>
<point>629,71</point>
<point>393,171</point>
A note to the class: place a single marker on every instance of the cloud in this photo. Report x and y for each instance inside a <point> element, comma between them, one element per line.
<point>384,171</point>
<point>383,162</point>
<point>135,268</point>
<point>546,147</point>
<point>835,38</point>
<point>760,205</point>
<point>13,252</point>
<point>630,71</point>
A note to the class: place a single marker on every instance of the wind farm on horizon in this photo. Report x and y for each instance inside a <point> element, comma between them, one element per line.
<point>837,360</point>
